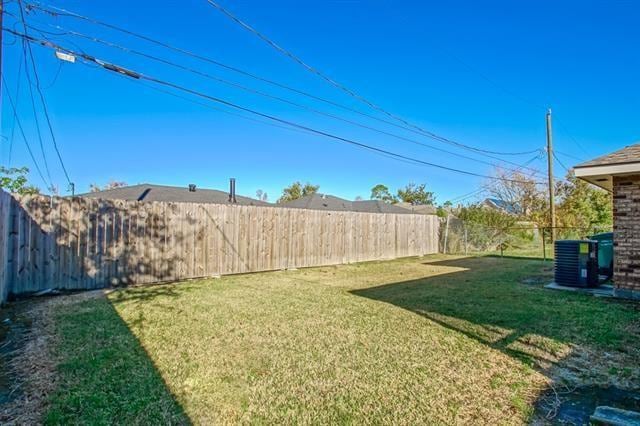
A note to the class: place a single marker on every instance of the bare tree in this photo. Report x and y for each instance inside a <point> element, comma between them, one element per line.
<point>520,192</point>
<point>261,195</point>
<point>111,185</point>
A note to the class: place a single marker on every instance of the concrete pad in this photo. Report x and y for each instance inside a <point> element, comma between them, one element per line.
<point>604,290</point>
<point>615,416</point>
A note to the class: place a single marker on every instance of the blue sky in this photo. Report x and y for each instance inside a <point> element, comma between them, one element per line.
<point>478,74</point>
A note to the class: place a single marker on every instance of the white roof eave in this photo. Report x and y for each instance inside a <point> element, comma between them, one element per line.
<point>607,169</point>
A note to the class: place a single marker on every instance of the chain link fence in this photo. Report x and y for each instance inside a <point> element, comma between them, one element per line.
<point>523,239</point>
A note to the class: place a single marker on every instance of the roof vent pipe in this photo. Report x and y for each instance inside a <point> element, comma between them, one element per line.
<point>232,190</point>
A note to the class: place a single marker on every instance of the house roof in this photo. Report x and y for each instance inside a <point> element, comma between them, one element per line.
<point>149,192</point>
<point>600,171</point>
<point>377,206</point>
<point>628,154</point>
<point>332,203</point>
<point>319,202</point>
<point>418,208</point>
<point>503,205</point>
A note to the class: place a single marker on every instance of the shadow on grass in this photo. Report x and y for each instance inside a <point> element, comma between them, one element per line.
<point>484,299</point>
<point>106,376</point>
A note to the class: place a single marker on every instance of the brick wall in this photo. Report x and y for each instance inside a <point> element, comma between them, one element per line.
<point>626,240</point>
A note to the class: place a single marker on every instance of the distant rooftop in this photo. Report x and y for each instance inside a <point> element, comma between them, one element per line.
<point>503,205</point>
<point>175,194</point>
<point>332,203</point>
<point>418,208</point>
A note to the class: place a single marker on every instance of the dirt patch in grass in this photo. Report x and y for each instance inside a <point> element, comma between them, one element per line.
<point>29,363</point>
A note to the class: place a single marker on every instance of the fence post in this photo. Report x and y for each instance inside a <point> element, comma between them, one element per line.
<point>446,235</point>
<point>465,238</point>
<point>6,277</point>
<point>140,242</point>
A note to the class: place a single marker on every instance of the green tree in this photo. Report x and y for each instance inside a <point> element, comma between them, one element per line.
<point>297,190</point>
<point>416,194</point>
<point>492,218</point>
<point>444,209</point>
<point>381,192</point>
<point>15,180</point>
<point>582,205</point>
<point>486,228</point>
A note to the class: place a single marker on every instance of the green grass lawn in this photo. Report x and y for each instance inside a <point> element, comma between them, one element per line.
<point>437,340</point>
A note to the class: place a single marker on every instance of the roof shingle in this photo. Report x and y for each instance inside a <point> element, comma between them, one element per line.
<point>629,154</point>
<point>149,192</point>
<point>418,208</point>
<point>332,203</point>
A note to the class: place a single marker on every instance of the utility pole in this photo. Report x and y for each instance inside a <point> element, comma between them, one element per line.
<point>552,205</point>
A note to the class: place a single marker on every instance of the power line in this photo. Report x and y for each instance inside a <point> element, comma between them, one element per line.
<point>519,98</point>
<point>13,124</point>
<point>167,92</point>
<point>209,106</point>
<point>561,163</point>
<point>55,77</point>
<point>473,193</point>
<point>574,140</point>
<point>239,86</point>
<point>497,86</point>
<point>345,89</point>
<point>303,127</point>
<point>267,95</point>
<point>568,155</point>
<point>24,137</point>
<point>485,188</point>
<point>56,11</point>
<point>523,100</point>
<point>35,111</point>
<point>535,105</point>
<point>137,75</point>
<point>530,103</point>
<point>526,101</point>
<point>42,100</point>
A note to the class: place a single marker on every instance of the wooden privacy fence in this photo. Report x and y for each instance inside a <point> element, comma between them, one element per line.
<point>82,243</point>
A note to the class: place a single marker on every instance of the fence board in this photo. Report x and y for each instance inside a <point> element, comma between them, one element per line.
<point>5,247</point>
<point>76,243</point>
